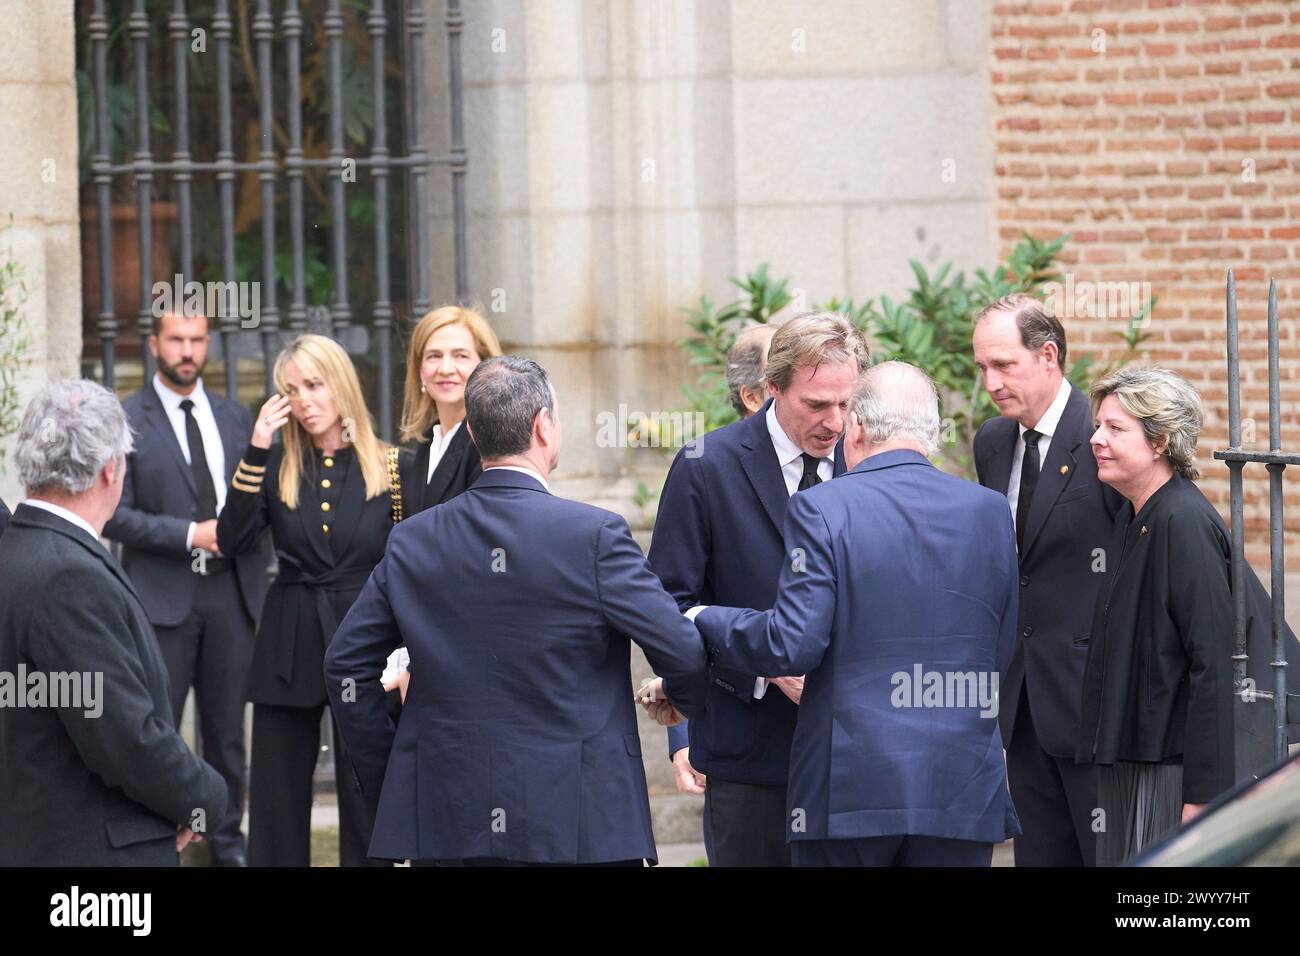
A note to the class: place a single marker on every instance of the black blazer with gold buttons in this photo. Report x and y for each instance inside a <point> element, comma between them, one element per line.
<point>325,549</point>
<point>459,468</point>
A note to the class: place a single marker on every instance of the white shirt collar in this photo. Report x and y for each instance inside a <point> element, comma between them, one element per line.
<point>172,400</point>
<point>786,450</point>
<point>523,471</point>
<point>1052,417</point>
<point>63,513</point>
<point>439,436</point>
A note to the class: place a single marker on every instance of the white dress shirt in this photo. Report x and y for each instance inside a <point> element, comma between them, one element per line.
<point>438,447</point>
<point>1046,427</point>
<point>63,513</point>
<point>213,450</point>
<point>790,455</point>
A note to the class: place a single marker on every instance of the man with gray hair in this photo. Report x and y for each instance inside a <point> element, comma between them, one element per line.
<point>717,539</point>
<point>518,740</point>
<point>747,369</point>
<point>897,599</point>
<point>129,791</point>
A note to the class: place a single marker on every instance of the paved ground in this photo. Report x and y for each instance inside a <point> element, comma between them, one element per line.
<point>325,817</point>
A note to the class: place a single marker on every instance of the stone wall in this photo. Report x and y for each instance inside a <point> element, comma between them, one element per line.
<point>627,157</point>
<point>38,189</point>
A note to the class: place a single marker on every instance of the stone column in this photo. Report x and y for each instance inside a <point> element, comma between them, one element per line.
<point>38,190</point>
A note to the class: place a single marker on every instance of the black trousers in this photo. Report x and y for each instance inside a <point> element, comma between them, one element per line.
<point>746,823</point>
<point>892,851</point>
<point>1054,797</point>
<point>212,650</point>
<point>286,742</point>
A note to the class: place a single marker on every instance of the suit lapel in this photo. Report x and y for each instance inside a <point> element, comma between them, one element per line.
<point>447,467</point>
<point>157,418</point>
<point>420,486</point>
<point>1002,451</point>
<point>764,470</point>
<point>1058,468</point>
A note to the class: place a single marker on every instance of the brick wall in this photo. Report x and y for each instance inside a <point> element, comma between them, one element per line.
<point>1164,135</point>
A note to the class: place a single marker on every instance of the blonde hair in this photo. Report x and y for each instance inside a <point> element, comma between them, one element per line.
<point>418,409</point>
<point>1167,406</point>
<point>325,359</point>
<point>813,338</point>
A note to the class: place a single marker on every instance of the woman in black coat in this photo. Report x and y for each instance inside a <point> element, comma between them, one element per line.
<point>1157,696</point>
<point>446,346</point>
<point>324,493</point>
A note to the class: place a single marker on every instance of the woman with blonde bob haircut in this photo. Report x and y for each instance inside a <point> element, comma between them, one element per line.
<point>329,508</point>
<point>1157,716</point>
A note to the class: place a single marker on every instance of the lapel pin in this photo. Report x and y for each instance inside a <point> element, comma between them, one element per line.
<point>1144,530</point>
<point>1065,469</point>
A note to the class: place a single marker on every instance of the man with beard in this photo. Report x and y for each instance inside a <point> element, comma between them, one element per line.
<point>202,604</point>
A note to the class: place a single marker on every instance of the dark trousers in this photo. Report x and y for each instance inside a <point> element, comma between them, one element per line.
<point>746,822</point>
<point>212,650</point>
<point>286,742</point>
<point>1054,797</point>
<point>892,851</point>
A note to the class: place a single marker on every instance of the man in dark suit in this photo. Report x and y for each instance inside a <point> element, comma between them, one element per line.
<point>203,604</point>
<point>1037,454</point>
<point>897,599</point>
<point>717,539</point>
<point>518,740</point>
<point>92,770</point>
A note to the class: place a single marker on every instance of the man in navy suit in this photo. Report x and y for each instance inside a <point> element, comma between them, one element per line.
<point>717,540</point>
<point>518,739</point>
<point>897,599</point>
<point>1037,454</point>
<point>202,604</point>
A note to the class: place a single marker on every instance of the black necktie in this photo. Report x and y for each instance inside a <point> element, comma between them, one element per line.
<point>199,465</point>
<point>810,476</point>
<point>1029,469</point>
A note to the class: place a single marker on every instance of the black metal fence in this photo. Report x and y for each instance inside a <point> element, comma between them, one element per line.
<point>1253,754</point>
<point>263,339</point>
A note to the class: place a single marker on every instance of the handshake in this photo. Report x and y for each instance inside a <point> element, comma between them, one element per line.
<point>651,696</point>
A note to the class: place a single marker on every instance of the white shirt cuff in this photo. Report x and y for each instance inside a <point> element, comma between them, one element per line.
<point>760,687</point>
<point>694,612</point>
<point>189,538</point>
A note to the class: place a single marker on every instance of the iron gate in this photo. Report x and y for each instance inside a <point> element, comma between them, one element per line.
<point>231,341</point>
<point>1255,752</point>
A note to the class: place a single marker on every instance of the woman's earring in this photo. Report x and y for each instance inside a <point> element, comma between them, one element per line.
<point>422,386</point>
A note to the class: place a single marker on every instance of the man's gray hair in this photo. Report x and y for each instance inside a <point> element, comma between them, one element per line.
<point>502,397</point>
<point>70,431</point>
<point>896,400</point>
<point>745,364</point>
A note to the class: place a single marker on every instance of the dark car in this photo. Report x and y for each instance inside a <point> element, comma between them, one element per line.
<point>1256,823</point>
